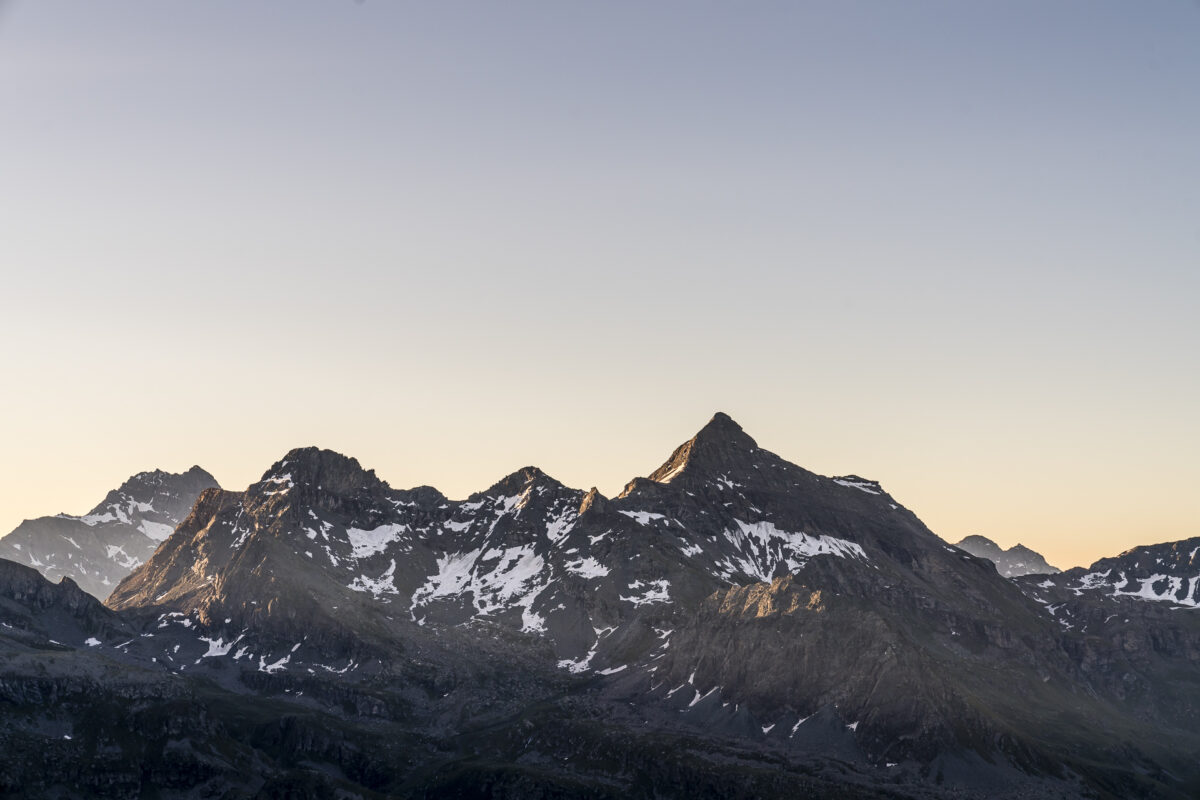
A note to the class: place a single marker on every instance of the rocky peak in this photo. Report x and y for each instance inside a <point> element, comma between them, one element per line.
<point>522,480</point>
<point>317,469</point>
<point>980,546</point>
<point>1016,560</point>
<point>170,494</point>
<point>719,445</point>
<point>1019,549</point>
<point>423,497</point>
<point>98,549</point>
<point>146,484</point>
<point>593,501</point>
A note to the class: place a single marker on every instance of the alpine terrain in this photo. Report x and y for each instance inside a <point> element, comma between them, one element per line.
<point>101,547</point>
<point>731,625</point>
<point>1016,560</point>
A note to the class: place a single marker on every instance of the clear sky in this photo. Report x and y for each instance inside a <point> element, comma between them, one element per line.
<point>954,247</point>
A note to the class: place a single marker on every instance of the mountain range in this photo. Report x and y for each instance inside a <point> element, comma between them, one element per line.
<point>731,625</point>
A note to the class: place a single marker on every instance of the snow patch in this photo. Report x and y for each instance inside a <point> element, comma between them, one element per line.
<point>578,665</point>
<point>700,697</point>
<point>862,486</point>
<point>384,584</point>
<point>218,646</point>
<point>499,580</point>
<point>558,528</point>
<point>1169,593</point>
<point>649,592</point>
<point>156,531</point>
<point>762,547</point>
<point>454,572</point>
<point>263,666</point>
<point>366,543</point>
<point>117,553</point>
<point>587,567</point>
<point>279,480</point>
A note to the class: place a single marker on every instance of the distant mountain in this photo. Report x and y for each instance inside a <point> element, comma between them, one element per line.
<point>731,625</point>
<point>100,548</point>
<point>1016,560</point>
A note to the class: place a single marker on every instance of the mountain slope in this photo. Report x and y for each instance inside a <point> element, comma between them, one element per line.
<point>921,651</point>
<point>1133,625</point>
<point>33,610</point>
<point>1016,560</point>
<point>588,575</point>
<point>97,719</point>
<point>731,601</point>
<point>84,714</point>
<point>100,548</point>
<point>1167,573</point>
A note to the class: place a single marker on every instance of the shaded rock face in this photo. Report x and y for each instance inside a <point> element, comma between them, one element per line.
<point>731,625</point>
<point>1013,562</point>
<point>100,548</point>
<point>33,609</point>
<point>1167,573</point>
<point>1132,624</point>
<point>83,715</point>
<point>1161,581</point>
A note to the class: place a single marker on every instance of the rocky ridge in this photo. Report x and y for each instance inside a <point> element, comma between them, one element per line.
<point>1011,563</point>
<point>98,549</point>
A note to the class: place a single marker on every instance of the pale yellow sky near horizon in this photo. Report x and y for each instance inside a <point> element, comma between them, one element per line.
<point>952,488</point>
<point>950,247</point>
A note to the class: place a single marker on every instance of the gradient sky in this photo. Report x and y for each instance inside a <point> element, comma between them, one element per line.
<point>954,247</point>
